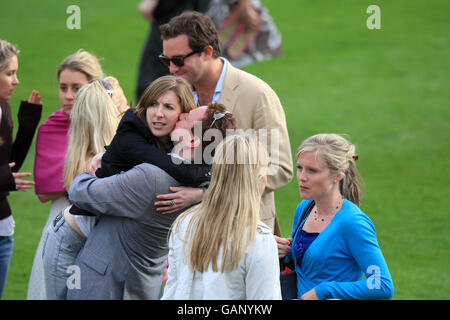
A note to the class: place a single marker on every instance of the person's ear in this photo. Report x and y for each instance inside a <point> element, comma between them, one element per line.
<point>208,51</point>
<point>340,175</point>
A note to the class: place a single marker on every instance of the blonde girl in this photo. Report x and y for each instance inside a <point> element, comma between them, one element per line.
<point>94,120</point>
<point>333,243</point>
<point>220,249</point>
<point>52,139</point>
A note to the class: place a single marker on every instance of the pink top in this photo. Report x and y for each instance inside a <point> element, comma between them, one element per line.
<point>51,147</point>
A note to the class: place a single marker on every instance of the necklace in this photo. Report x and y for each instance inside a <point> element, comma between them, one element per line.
<point>316,217</point>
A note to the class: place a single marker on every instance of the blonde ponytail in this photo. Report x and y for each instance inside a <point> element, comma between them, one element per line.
<point>224,224</point>
<point>350,186</point>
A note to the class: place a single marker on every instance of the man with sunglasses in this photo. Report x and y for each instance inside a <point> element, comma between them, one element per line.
<point>158,12</point>
<point>191,50</point>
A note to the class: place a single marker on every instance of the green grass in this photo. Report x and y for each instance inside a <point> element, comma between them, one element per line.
<point>385,89</point>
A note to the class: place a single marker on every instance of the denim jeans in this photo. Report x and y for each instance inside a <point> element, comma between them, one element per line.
<point>59,251</point>
<point>6,251</point>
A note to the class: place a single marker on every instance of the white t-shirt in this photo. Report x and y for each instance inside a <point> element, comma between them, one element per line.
<point>7,226</point>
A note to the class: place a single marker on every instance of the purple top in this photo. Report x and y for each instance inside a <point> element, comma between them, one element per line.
<point>302,242</point>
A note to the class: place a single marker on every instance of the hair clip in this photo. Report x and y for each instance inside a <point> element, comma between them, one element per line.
<point>355,158</point>
<point>107,87</point>
<point>218,116</point>
<point>110,93</point>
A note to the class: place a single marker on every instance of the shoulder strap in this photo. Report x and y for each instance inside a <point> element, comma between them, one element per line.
<point>304,216</point>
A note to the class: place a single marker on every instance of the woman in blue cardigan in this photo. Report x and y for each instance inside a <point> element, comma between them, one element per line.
<point>333,243</point>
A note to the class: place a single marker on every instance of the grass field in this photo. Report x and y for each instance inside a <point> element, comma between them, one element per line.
<point>386,89</point>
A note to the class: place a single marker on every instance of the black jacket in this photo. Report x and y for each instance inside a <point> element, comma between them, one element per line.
<point>28,117</point>
<point>134,144</point>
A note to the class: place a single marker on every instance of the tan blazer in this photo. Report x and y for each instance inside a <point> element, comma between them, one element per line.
<point>256,106</point>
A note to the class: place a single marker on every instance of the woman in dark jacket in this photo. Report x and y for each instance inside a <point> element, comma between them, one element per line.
<point>12,154</point>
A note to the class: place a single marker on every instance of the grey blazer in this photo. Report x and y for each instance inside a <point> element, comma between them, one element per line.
<point>125,254</point>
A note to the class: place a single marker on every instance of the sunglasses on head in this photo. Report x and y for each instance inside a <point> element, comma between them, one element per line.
<point>219,115</point>
<point>109,90</point>
<point>178,60</point>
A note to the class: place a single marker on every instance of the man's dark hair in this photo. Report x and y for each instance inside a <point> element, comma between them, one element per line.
<point>199,28</point>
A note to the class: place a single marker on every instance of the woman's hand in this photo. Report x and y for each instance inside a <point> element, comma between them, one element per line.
<point>96,163</point>
<point>180,198</point>
<point>21,185</point>
<point>34,98</point>
<point>283,246</point>
<point>310,295</point>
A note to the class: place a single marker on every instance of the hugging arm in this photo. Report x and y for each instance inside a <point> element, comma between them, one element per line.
<point>128,194</point>
<point>271,119</point>
<point>135,149</point>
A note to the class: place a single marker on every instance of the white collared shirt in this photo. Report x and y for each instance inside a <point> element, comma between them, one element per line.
<point>219,85</point>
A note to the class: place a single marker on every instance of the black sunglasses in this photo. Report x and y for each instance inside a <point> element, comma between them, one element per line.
<point>178,61</point>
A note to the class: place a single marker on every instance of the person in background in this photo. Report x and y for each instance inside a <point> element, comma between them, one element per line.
<point>247,32</point>
<point>220,249</point>
<point>335,249</point>
<point>159,12</point>
<point>191,50</point>
<point>12,154</point>
<point>51,145</point>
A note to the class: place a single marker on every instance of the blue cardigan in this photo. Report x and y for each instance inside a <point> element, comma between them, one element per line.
<point>344,252</point>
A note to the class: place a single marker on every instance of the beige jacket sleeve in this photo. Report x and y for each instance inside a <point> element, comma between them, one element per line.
<point>269,116</point>
<point>256,106</point>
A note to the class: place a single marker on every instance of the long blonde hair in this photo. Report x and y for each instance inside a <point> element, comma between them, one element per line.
<point>227,218</point>
<point>94,121</point>
<point>337,153</point>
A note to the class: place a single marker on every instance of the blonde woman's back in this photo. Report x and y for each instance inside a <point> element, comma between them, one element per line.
<point>256,277</point>
<point>219,249</point>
